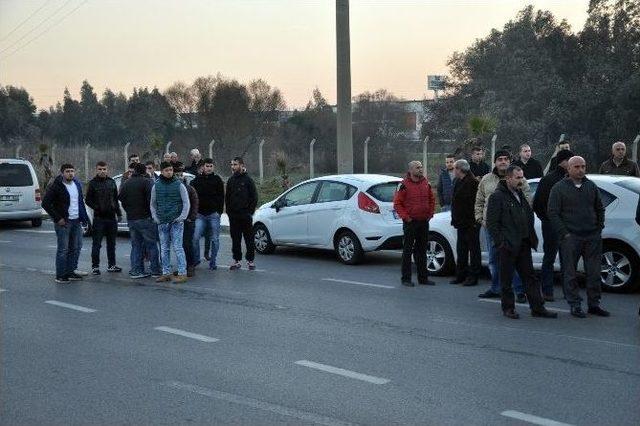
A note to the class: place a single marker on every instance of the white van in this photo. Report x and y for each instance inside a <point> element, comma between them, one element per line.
<point>20,196</point>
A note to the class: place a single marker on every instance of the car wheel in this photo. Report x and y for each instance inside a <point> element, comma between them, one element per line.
<point>36,223</point>
<point>348,248</point>
<point>262,240</point>
<point>439,256</point>
<point>619,268</point>
<point>86,230</point>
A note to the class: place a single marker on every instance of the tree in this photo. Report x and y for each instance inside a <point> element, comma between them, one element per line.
<point>16,113</point>
<point>183,100</point>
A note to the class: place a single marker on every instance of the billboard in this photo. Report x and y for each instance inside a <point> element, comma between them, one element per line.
<point>435,82</point>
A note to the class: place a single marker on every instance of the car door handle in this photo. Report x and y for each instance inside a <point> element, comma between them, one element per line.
<point>298,213</point>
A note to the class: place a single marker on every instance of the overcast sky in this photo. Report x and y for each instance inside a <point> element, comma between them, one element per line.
<point>47,45</point>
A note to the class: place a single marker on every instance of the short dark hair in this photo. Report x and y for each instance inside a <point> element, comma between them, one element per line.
<point>178,167</point>
<point>101,164</point>
<point>150,163</point>
<point>449,156</point>
<point>240,160</point>
<point>513,168</point>
<point>477,148</point>
<point>132,165</point>
<point>139,168</point>
<point>165,165</point>
<point>133,155</point>
<point>564,141</point>
<point>66,166</point>
<point>208,161</point>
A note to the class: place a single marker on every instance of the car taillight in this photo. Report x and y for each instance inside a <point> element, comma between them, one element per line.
<point>38,196</point>
<point>367,204</point>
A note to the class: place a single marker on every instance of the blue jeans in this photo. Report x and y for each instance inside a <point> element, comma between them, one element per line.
<point>203,223</point>
<point>493,267</point>
<point>171,238</point>
<point>144,239</point>
<point>69,246</point>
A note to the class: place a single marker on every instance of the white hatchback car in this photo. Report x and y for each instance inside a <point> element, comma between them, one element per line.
<point>620,266</point>
<point>20,196</point>
<point>350,214</point>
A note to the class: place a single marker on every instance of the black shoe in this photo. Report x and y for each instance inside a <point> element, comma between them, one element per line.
<point>457,281</point>
<point>578,312</point>
<point>62,280</point>
<point>510,313</point>
<point>597,310</point>
<point>95,271</point>
<point>427,282</point>
<point>521,298</point>
<point>74,277</point>
<point>408,284</point>
<point>470,281</point>
<point>543,313</point>
<point>489,295</point>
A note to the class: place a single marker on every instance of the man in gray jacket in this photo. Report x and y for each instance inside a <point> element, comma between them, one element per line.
<point>577,215</point>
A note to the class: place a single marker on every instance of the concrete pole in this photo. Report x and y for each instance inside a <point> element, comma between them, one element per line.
<point>548,166</point>
<point>86,161</point>
<point>311,171</point>
<point>18,149</point>
<point>366,154</point>
<point>126,155</point>
<point>211,148</point>
<point>493,148</point>
<point>261,164</point>
<point>166,149</point>
<point>343,61</point>
<point>53,156</point>
<point>634,154</point>
<point>425,158</point>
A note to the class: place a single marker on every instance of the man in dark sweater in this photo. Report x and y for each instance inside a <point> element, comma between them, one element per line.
<point>577,214</point>
<point>510,223</point>
<point>210,189</point>
<point>135,196</point>
<point>529,165</point>
<point>102,198</point>
<point>241,200</point>
<point>550,238</point>
<point>478,166</point>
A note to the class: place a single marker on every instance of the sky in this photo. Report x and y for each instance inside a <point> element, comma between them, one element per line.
<point>47,45</point>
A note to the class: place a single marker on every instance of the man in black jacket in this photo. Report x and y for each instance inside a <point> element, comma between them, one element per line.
<point>135,196</point>
<point>529,165</point>
<point>510,223</point>
<point>478,166</point>
<point>550,238</point>
<point>463,219</point>
<point>241,200</point>
<point>577,214</point>
<point>210,189</point>
<point>102,197</point>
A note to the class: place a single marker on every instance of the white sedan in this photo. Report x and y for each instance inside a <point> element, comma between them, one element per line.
<point>351,214</point>
<point>621,236</point>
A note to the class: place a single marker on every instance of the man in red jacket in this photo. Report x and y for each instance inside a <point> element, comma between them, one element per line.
<point>414,202</point>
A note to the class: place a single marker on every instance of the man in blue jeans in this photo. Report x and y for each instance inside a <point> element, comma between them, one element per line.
<point>135,196</point>
<point>64,203</point>
<point>210,189</point>
<point>169,209</point>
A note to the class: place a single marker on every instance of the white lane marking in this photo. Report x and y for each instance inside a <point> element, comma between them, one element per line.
<point>183,333</point>
<point>335,280</point>
<point>2,289</point>
<point>532,419</point>
<point>342,372</point>
<point>34,231</point>
<point>525,305</point>
<point>259,405</point>
<point>5,241</point>
<point>70,306</point>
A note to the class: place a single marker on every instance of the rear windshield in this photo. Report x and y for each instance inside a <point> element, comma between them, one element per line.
<point>630,184</point>
<point>15,175</point>
<point>384,192</point>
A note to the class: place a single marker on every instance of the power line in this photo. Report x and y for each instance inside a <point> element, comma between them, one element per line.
<point>17,27</point>
<point>45,30</point>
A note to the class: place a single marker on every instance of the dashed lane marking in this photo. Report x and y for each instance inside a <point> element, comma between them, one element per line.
<point>2,290</point>
<point>335,280</point>
<point>532,419</point>
<point>188,334</point>
<point>342,372</point>
<point>35,231</point>
<point>303,416</point>
<point>525,305</point>
<point>5,241</point>
<point>70,306</point>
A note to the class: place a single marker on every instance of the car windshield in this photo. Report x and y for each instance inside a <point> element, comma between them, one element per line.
<point>630,184</point>
<point>15,175</point>
<point>384,191</point>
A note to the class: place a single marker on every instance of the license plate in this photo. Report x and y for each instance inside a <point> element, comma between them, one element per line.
<point>9,197</point>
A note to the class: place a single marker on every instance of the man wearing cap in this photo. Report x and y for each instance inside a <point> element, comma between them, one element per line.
<point>618,164</point>
<point>550,238</point>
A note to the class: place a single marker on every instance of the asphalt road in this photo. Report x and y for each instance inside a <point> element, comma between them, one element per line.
<point>302,340</point>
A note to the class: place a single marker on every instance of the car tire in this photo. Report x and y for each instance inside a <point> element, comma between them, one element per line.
<point>262,240</point>
<point>37,222</point>
<point>86,230</point>
<point>439,256</point>
<point>348,248</point>
<point>619,268</point>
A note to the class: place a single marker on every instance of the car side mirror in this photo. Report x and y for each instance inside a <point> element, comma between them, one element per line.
<point>279,204</point>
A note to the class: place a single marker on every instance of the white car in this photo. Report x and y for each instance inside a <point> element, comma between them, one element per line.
<point>621,236</point>
<point>20,196</point>
<point>351,214</point>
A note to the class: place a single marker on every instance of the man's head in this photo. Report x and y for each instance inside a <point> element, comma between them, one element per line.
<point>415,169</point>
<point>477,154</point>
<point>448,161</point>
<point>563,158</point>
<point>208,166</point>
<point>461,168</point>
<point>178,170</point>
<point>101,169</point>
<point>502,160</point>
<point>564,145</point>
<point>132,167</point>
<point>166,157</point>
<point>525,152</point>
<point>174,157</point>
<point>134,158</point>
<point>166,168</point>
<point>515,177</point>
<point>68,172</point>
<point>150,168</point>
<point>195,155</point>
<point>618,150</point>
<point>237,165</point>
<point>577,167</point>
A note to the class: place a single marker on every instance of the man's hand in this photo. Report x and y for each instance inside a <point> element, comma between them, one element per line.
<point>61,222</point>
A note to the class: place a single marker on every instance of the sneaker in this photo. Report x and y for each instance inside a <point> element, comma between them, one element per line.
<point>489,295</point>
<point>235,266</point>
<point>543,313</point>
<point>191,271</point>
<point>521,298</point>
<point>510,313</point>
<point>114,268</point>
<point>213,267</point>
<point>163,279</point>
<point>179,279</point>
<point>80,273</point>
<point>251,266</point>
<point>156,274</point>
<point>597,310</point>
<point>74,277</point>
<point>62,280</point>
<point>577,312</point>
<point>95,271</point>
<point>408,284</point>
<point>138,275</point>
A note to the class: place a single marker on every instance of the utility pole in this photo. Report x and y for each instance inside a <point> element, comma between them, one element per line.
<point>343,60</point>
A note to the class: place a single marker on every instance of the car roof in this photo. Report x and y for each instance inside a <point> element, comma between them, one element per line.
<point>359,178</point>
<point>157,174</point>
<point>14,161</point>
<point>599,178</point>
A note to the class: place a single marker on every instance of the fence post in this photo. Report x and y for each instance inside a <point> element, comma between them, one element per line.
<point>493,147</point>
<point>18,149</point>
<point>311,171</point>
<point>86,161</point>
<point>211,148</point>
<point>261,164</point>
<point>548,166</point>
<point>424,154</point>
<point>366,154</point>
<point>634,153</point>
<point>166,149</point>
<point>126,156</point>
<point>53,156</point>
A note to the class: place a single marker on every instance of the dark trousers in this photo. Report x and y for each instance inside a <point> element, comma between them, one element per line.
<point>550,246</point>
<point>571,249</point>
<point>468,246</point>
<point>519,260</point>
<point>241,226</point>
<point>415,243</point>
<point>187,241</point>
<point>104,228</point>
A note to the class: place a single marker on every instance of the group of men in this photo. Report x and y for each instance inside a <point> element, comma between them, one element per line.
<point>497,204</point>
<point>165,214</point>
